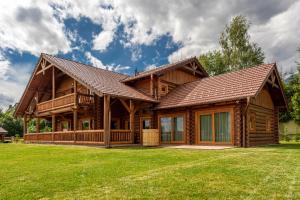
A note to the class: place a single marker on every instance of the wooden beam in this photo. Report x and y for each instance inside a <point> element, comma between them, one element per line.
<point>53,83</point>
<point>53,123</point>
<point>131,119</point>
<point>106,120</point>
<point>151,86</point>
<point>76,94</point>
<point>125,105</point>
<point>37,125</point>
<point>75,121</point>
<point>25,125</point>
<point>43,70</point>
<point>273,83</point>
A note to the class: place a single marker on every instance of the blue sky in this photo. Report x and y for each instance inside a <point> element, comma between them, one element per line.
<point>128,35</point>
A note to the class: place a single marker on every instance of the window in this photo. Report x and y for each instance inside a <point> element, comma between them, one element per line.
<point>65,125</point>
<point>252,125</point>
<point>222,127</point>
<point>86,124</point>
<point>146,123</point>
<point>206,127</point>
<point>115,123</point>
<point>214,127</point>
<point>172,129</point>
<point>166,129</point>
<point>163,88</point>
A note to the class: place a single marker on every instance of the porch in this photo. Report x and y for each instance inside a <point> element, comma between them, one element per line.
<point>81,137</point>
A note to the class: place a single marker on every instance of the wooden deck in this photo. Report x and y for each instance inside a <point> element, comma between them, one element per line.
<point>84,137</point>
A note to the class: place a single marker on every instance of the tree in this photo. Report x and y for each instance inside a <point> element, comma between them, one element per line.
<point>295,100</point>
<point>237,52</point>
<point>213,63</point>
<point>10,123</point>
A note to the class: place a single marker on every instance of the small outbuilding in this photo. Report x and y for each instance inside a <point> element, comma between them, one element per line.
<point>3,132</point>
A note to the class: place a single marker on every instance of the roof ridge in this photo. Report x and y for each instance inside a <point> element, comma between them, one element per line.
<point>165,65</point>
<point>87,65</point>
<point>227,73</point>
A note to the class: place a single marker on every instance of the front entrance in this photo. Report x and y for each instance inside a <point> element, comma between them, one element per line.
<point>214,126</point>
<point>145,123</point>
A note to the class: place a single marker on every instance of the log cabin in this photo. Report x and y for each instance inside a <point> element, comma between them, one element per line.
<point>89,105</point>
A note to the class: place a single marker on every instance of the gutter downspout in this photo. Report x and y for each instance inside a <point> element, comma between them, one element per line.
<point>244,120</point>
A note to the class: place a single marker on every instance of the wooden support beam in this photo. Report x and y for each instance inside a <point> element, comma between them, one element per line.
<point>106,120</point>
<point>25,125</point>
<point>131,119</point>
<point>273,83</point>
<point>53,123</point>
<point>75,119</point>
<point>125,105</point>
<point>44,70</point>
<point>151,86</point>
<point>53,83</point>
<point>37,125</point>
<point>76,94</point>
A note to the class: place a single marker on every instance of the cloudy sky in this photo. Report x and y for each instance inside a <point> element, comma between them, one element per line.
<point>125,35</point>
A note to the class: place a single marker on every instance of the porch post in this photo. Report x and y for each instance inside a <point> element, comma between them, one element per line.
<point>53,123</point>
<point>53,82</point>
<point>106,120</point>
<point>37,125</point>
<point>75,123</point>
<point>131,119</point>
<point>25,125</point>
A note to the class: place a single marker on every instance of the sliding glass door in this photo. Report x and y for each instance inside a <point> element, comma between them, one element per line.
<point>206,128</point>
<point>172,129</point>
<point>214,127</point>
<point>166,129</point>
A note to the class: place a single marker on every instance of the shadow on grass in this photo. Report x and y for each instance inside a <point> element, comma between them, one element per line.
<point>286,145</point>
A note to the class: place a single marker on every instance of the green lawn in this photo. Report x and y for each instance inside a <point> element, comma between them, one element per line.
<point>74,172</point>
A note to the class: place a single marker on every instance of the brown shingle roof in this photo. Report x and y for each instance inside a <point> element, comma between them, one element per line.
<point>166,67</point>
<point>225,87</point>
<point>100,80</point>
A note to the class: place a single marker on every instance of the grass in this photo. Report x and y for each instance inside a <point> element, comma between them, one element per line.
<point>73,172</point>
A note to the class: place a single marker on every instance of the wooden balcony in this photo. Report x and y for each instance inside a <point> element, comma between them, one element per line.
<point>65,101</point>
<point>84,137</point>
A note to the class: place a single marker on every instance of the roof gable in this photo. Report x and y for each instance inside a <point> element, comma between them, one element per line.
<point>194,67</point>
<point>226,87</point>
<point>97,80</point>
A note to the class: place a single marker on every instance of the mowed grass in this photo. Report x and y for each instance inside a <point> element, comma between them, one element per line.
<point>74,172</point>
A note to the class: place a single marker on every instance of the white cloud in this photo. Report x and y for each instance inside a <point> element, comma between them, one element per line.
<point>98,63</point>
<point>280,37</point>
<point>149,67</point>
<point>30,26</point>
<point>102,41</point>
<point>94,61</point>
<point>12,81</point>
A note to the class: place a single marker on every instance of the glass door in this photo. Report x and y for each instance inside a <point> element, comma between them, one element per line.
<point>214,127</point>
<point>166,129</point>
<point>206,134</point>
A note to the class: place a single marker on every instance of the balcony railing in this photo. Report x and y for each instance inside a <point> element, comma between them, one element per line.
<point>65,101</point>
<point>95,137</point>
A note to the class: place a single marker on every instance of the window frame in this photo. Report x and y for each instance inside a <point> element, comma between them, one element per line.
<point>172,116</point>
<point>212,111</point>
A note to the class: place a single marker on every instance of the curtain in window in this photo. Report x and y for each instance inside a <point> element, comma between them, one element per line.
<point>206,127</point>
<point>178,128</point>
<point>222,127</point>
<point>166,128</point>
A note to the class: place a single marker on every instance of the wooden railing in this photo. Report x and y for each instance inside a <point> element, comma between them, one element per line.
<point>85,99</point>
<point>71,137</point>
<point>120,136</point>
<point>60,102</point>
<point>79,137</point>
